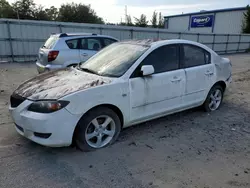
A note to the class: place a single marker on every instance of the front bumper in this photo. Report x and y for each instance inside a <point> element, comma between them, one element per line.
<point>54,129</point>
<point>43,68</point>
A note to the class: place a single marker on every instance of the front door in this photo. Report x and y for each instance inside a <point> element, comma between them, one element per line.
<point>200,74</point>
<point>161,92</point>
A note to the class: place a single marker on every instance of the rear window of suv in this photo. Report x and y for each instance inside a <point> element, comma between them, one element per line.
<point>50,42</point>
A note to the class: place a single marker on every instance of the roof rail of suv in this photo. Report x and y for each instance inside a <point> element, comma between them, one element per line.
<point>74,34</point>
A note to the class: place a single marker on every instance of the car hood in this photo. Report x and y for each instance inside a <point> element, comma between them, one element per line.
<point>57,84</point>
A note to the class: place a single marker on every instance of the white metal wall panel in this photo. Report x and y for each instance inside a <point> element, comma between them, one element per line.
<point>144,35</point>
<point>83,30</point>
<point>179,24</point>
<point>169,35</point>
<point>245,38</point>
<point>192,37</point>
<point>221,38</point>
<point>219,47</point>
<point>234,38</point>
<point>18,47</point>
<point>5,48</point>
<point>244,46</point>
<point>228,22</point>
<point>3,30</point>
<point>232,47</point>
<point>206,38</point>
<point>121,35</point>
<point>33,47</point>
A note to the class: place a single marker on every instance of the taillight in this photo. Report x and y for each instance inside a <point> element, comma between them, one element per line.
<point>52,55</point>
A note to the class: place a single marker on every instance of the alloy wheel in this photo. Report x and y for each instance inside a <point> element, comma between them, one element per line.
<point>215,100</point>
<point>100,131</point>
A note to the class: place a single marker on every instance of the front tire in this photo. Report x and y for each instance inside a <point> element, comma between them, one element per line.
<point>98,128</point>
<point>214,99</point>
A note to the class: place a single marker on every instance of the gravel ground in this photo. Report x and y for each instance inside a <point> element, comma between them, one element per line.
<point>191,149</point>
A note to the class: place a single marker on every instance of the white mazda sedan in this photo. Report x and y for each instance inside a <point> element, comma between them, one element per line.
<point>124,84</point>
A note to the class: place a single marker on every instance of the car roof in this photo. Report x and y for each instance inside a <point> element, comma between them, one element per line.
<point>74,35</point>
<point>158,42</point>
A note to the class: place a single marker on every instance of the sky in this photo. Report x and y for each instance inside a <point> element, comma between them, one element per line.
<point>114,10</point>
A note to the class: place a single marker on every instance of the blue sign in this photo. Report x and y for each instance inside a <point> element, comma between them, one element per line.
<point>202,21</point>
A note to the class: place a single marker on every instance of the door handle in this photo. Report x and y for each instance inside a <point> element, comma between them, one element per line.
<point>208,73</point>
<point>175,79</point>
<point>85,54</point>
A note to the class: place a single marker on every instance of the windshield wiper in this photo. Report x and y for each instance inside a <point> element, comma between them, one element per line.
<point>87,70</point>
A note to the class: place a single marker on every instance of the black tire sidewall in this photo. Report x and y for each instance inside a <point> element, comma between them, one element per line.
<point>206,103</point>
<point>84,122</point>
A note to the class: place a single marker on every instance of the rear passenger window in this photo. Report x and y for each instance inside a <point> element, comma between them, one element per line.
<point>91,44</point>
<point>195,56</point>
<point>108,41</point>
<point>72,44</point>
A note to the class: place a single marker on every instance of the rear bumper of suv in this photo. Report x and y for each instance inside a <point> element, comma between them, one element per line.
<point>43,68</point>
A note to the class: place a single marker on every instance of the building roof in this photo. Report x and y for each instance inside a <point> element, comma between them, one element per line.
<point>209,11</point>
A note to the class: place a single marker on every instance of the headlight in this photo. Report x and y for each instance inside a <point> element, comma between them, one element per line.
<point>47,106</point>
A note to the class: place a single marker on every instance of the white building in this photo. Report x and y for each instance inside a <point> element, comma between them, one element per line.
<point>225,21</point>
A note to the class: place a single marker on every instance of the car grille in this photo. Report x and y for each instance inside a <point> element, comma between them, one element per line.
<point>16,100</point>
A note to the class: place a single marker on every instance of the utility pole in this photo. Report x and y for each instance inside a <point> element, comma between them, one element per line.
<point>126,13</point>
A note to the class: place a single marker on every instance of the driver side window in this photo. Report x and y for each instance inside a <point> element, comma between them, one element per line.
<point>163,59</point>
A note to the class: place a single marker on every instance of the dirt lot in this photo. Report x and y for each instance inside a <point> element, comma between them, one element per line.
<point>185,150</point>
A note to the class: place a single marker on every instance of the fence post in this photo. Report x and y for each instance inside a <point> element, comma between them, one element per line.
<point>238,47</point>
<point>60,28</point>
<point>213,42</point>
<point>100,31</point>
<point>132,33</point>
<point>227,43</point>
<point>198,37</point>
<point>10,40</point>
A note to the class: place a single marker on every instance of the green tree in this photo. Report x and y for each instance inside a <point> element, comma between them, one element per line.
<point>142,21</point>
<point>246,21</point>
<point>40,14</point>
<point>52,12</point>
<point>79,13</point>
<point>160,21</point>
<point>6,10</point>
<point>154,20</point>
<point>25,9</point>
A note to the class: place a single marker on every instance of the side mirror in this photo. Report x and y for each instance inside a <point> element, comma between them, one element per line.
<point>147,70</point>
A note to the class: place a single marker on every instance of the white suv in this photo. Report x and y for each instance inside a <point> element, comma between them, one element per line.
<point>64,50</point>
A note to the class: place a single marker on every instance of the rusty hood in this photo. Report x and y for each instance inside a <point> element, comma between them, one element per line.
<point>57,84</point>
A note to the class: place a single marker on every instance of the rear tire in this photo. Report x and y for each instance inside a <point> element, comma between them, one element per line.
<point>214,99</point>
<point>98,128</point>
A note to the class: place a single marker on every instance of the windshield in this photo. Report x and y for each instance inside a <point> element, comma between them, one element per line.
<point>114,60</point>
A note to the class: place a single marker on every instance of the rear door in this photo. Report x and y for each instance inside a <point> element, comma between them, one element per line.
<point>89,47</point>
<point>200,73</point>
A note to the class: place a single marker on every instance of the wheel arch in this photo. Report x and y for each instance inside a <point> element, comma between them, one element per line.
<point>110,106</point>
<point>222,84</point>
